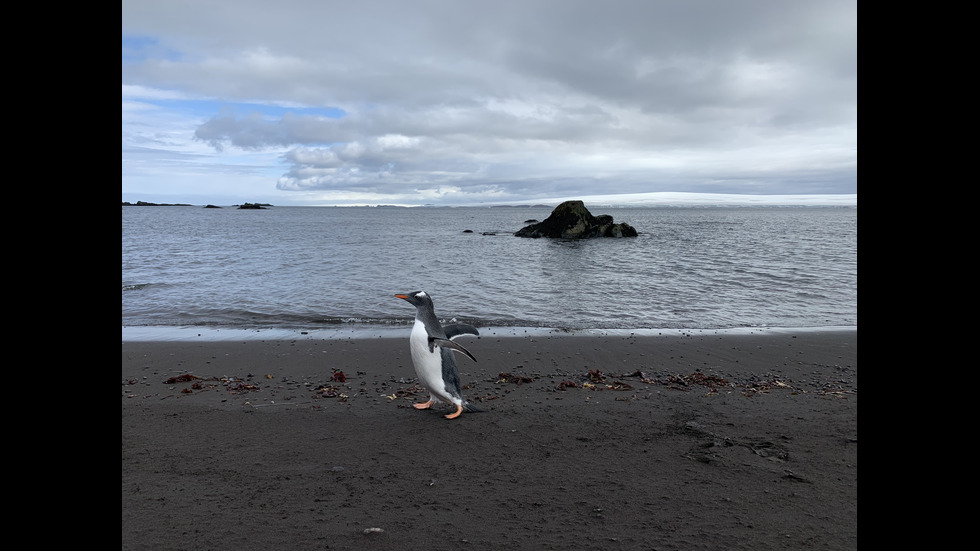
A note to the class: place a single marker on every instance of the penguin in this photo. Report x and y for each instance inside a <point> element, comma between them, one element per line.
<point>432,354</point>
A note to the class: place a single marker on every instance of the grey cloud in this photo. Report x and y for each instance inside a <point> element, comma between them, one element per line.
<point>486,96</point>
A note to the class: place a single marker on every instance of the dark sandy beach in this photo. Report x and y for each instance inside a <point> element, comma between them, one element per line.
<point>696,442</point>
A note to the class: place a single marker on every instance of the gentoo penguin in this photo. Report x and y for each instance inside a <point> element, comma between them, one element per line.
<point>432,354</point>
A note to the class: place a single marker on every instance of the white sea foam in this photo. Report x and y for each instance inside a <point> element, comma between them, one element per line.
<point>209,334</point>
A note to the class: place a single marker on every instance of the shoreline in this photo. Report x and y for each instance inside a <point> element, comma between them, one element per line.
<point>150,333</point>
<point>701,440</point>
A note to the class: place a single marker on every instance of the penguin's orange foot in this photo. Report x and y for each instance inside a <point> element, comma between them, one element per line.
<point>459,411</point>
<point>424,405</point>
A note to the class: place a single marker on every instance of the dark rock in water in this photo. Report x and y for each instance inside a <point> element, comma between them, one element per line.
<point>254,206</point>
<point>531,221</point>
<point>571,220</point>
<point>211,207</point>
<point>467,231</point>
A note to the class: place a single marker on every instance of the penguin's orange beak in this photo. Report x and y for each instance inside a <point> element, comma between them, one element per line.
<point>402,296</point>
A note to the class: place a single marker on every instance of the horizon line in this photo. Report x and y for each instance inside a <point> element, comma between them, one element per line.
<point>657,198</point>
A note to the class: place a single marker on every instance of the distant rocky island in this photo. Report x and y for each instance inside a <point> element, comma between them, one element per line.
<point>571,220</point>
<point>146,204</point>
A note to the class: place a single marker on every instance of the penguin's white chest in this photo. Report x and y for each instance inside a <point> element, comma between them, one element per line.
<point>428,365</point>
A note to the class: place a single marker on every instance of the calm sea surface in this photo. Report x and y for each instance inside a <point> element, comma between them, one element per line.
<point>313,268</point>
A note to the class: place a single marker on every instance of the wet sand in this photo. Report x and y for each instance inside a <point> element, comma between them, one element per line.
<point>702,441</point>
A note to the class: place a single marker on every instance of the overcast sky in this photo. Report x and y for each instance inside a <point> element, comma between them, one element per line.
<point>327,102</point>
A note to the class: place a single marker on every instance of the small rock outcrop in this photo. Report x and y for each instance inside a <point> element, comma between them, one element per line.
<point>571,220</point>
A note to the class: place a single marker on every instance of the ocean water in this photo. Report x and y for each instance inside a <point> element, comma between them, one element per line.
<point>308,269</point>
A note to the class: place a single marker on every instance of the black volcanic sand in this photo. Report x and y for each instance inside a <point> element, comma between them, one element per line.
<point>702,441</point>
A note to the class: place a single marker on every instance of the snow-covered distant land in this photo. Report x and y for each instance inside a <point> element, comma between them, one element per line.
<point>685,199</point>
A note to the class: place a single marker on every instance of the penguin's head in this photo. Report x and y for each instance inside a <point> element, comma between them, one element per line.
<point>416,298</point>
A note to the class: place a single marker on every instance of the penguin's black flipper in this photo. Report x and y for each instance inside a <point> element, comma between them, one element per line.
<point>456,329</point>
<point>446,343</point>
